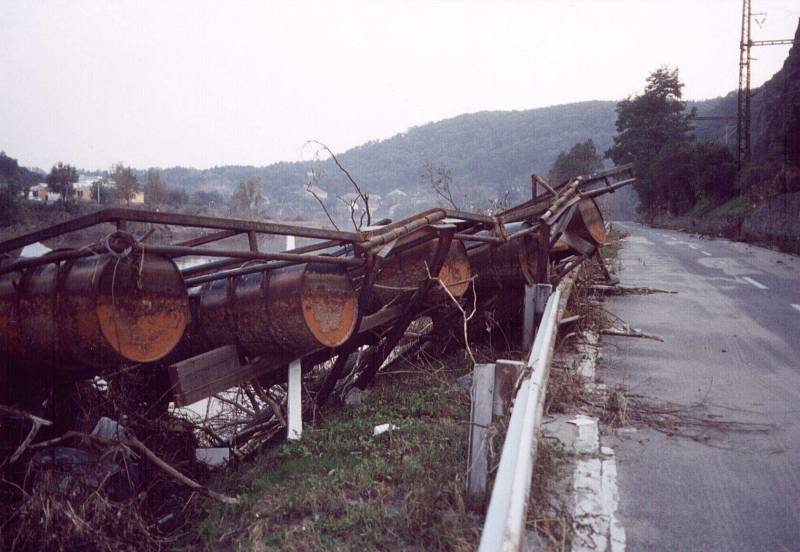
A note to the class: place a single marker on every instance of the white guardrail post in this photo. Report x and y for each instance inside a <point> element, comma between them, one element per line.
<point>504,527</point>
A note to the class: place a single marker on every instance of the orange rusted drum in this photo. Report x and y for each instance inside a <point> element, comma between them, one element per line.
<point>587,224</point>
<point>135,308</point>
<point>510,264</point>
<point>590,224</point>
<point>403,272</point>
<point>94,312</point>
<point>294,309</point>
<point>214,317</point>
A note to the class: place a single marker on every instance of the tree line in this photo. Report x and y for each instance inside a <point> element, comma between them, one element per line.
<point>121,185</point>
<point>675,171</point>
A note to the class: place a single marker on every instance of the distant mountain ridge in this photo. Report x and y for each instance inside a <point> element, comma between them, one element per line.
<point>487,152</point>
<point>494,149</point>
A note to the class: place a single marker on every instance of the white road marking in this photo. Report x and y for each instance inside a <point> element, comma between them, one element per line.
<point>753,282</point>
<point>692,245</point>
<point>706,253</point>
<point>597,527</point>
<point>796,307</point>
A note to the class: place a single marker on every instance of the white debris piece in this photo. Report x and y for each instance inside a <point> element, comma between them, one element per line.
<point>110,430</point>
<point>383,428</point>
<point>34,250</point>
<point>213,456</point>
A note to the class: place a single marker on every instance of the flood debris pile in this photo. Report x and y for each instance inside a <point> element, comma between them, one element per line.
<point>184,349</point>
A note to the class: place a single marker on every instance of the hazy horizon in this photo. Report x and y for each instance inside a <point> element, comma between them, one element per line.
<point>203,84</point>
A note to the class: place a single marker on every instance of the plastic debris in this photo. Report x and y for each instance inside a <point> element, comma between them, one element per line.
<point>383,428</point>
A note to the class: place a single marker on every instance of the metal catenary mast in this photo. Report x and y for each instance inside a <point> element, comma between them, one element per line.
<point>744,96</point>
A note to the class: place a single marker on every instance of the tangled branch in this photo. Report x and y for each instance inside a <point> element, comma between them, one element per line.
<point>362,195</point>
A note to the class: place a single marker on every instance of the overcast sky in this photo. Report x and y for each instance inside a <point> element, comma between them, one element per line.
<point>214,83</point>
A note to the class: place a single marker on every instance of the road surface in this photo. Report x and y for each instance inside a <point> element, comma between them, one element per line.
<point>732,341</point>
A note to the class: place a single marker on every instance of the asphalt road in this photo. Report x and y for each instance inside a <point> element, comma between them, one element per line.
<point>732,342</point>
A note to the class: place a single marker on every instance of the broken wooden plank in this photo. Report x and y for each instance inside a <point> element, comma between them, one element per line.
<point>569,320</point>
<point>627,331</point>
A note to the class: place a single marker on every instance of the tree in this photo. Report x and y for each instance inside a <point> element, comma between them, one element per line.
<point>714,172</point>
<point>439,179</point>
<point>15,181</point>
<point>62,179</point>
<point>582,158</point>
<point>102,191</point>
<point>155,190</point>
<point>210,199</point>
<point>247,196</point>
<point>125,183</point>
<point>647,123</point>
<point>177,197</point>
<point>684,173</point>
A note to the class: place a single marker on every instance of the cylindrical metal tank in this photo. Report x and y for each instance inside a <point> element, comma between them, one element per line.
<point>403,272</point>
<point>510,264</point>
<point>294,309</point>
<point>93,312</point>
<point>587,224</point>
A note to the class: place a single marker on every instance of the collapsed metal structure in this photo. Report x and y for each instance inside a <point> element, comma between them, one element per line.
<point>246,314</point>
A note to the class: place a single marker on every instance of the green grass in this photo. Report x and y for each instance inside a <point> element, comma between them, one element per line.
<point>700,208</point>
<point>341,488</point>
<point>736,207</point>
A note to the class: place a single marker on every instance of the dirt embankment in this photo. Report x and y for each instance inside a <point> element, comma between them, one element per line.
<point>774,222</point>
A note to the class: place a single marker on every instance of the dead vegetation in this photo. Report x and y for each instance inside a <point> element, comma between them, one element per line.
<point>90,491</point>
<point>618,407</point>
<point>548,513</point>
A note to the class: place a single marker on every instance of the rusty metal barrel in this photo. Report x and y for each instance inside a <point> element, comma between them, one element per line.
<point>404,271</point>
<point>510,264</point>
<point>93,312</point>
<point>584,233</point>
<point>294,309</point>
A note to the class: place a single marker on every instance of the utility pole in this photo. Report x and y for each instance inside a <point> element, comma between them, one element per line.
<point>743,98</point>
<point>727,120</point>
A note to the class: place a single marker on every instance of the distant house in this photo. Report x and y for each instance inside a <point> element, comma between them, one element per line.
<point>317,191</point>
<point>40,192</point>
<point>138,198</point>
<point>84,187</point>
<point>83,192</point>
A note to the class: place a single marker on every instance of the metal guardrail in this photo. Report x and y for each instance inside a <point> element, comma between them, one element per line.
<point>505,519</point>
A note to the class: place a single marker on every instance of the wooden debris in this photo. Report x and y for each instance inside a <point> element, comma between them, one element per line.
<point>628,331</point>
<point>622,290</point>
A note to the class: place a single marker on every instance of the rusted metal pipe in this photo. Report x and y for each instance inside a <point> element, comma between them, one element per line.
<point>180,251</point>
<point>121,215</point>
<point>402,230</point>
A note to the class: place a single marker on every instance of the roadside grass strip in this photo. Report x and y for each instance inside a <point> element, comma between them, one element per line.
<point>343,488</point>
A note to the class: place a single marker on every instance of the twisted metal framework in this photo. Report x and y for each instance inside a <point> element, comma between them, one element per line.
<point>318,302</point>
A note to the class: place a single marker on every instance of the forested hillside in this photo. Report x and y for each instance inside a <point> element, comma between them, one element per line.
<point>487,154</point>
